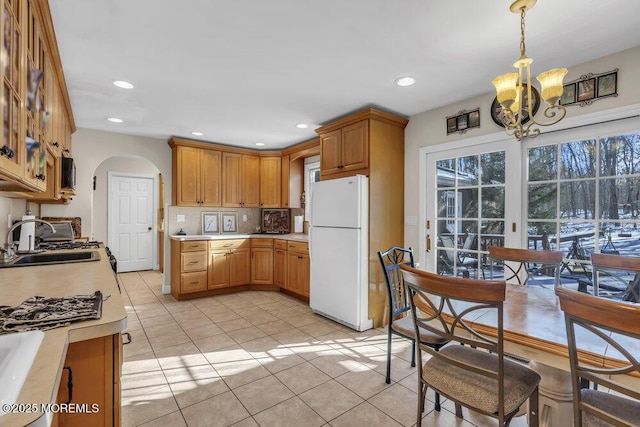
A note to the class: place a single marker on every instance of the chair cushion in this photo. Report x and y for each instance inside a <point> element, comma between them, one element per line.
<point>477,391</point>
<point>626,409</point>
<point>404,326</point>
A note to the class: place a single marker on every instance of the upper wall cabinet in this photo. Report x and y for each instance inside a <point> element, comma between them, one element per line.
<point>345,145</point>
<point>197,176</point>
<point>345,149</point>
<point>271,179</point>
<point>37,118</point>
<point>240,180</point>
<point>219,175</point>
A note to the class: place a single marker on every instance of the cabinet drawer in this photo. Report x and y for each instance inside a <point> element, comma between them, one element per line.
<point>280,244</point>
<point>229,244</point>
<point>193,282</point>
<point>193,261</point>
<point>298,246</point>
<point>261,243</point>
<point>191,246</point>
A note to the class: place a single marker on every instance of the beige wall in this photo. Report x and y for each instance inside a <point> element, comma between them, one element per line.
<point>429,128</point>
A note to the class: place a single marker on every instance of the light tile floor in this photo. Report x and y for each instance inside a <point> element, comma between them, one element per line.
<point>262,359</point>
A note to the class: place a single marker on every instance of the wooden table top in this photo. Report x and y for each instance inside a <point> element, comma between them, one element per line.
<point>534,328</point>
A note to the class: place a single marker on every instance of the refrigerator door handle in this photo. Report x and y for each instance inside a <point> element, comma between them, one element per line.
<point>309,243</point>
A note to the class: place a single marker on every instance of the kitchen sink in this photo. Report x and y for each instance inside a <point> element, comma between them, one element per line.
<point>48,258</point>
<point>17,352</point>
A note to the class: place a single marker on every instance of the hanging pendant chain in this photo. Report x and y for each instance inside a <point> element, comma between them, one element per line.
<point>522,45</point>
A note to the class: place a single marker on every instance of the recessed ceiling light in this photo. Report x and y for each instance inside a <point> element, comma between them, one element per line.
<point>197,133</point>
<point>405,81</point>
<point>115,120</point>
<point>302,125</point>
<point>122,84</point>
<point>260,144</point>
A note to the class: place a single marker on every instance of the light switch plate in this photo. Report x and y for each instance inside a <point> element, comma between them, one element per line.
<point>410,220</point>
<point>180,218</point>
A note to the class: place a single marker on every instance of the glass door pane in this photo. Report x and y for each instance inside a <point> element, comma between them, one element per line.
<point>466,202</point>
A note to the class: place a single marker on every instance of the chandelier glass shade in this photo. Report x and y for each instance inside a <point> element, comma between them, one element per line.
<point>510,87</point>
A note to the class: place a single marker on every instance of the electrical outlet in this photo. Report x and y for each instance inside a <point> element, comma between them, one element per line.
<point>9,220</point>
<point>244,218</point>
<point>180,218</point>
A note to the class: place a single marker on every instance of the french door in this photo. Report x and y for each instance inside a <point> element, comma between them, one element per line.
<point>473,201</point>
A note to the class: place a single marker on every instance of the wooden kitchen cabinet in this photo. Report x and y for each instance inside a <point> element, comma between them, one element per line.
<point>229,263</point>
<point>280,263</point>
<point>240,180</point>
<point>262,261</point>
<point>96,368</point>
<point>28,36</point>
<point>298,268</point>
<point>271,182</point>
<point>197,176</point>
<point>345,149</point>
<point>189,266</point>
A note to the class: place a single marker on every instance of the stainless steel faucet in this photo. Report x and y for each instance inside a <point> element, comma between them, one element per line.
<point>8,251</point>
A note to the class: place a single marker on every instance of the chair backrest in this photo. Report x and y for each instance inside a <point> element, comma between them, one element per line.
<point>529,263</point>
<point>447,306</point>
<point>614,323</point>
<point>618,271</point>
<point>390,261</point>
<point>471,242</point>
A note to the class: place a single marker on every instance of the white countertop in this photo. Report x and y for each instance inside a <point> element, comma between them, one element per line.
<point>20,283</point>
<point>297,237</point>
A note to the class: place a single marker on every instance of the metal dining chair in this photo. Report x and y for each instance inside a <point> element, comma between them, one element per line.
<point>530,264</point>
<point>475,374</point>
<point>616,272</point>
<point>615,324</point>
<point>400,321</point>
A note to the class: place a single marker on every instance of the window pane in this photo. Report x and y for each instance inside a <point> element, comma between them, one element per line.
<point>578,199</point>
<point>446,173</point>
<point>492,167</point>
<point>542,201</point>
<point>620,238</point>
<point>578,159</point>
<point>543,163</point>
<point>467,171</point>
<point>620,155</point>
<point>492,234</point>
<point>577,240</point>
<point>542,236</point>
<point>468,200</point>
<point>492,202</point>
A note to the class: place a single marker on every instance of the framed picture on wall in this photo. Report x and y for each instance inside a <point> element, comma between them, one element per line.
<point>568,94</point>
<point>229,222</point>
<point>586,89</point>
<point>210,223</point>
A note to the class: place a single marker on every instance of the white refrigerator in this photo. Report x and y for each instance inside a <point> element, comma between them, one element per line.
<point>339,251</point>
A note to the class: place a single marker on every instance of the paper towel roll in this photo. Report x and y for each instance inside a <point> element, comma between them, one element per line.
<point>26,230</point>
<point>297,223</point>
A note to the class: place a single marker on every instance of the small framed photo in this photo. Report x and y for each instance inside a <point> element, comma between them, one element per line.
<point>586,89</point>
<point>229,222</point>
<point>607,84</point>
<point>474,119</point>
<point>451,125</point>
<point>462,122</point>
<point>210,223</point>
<point>568,94</point>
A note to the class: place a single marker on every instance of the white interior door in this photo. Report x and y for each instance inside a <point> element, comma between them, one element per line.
<point>131,221</point>
<point>471,204</point>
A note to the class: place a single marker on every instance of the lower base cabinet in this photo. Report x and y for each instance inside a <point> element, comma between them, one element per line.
<point>95,395</point>
<point>298,268</point>
<point>209,267</point>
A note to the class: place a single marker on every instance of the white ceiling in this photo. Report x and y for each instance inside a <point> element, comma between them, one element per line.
<point>247,71</point>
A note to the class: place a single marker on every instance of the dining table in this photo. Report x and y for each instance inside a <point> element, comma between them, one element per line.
<point>534,332</point>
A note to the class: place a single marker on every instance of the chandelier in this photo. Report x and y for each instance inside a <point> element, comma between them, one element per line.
<point>511,87</point>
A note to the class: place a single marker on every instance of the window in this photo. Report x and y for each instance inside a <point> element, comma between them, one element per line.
<point>311,175</point>
<point>584,196</point>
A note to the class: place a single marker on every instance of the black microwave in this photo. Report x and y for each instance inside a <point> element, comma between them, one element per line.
<point>68,173</point>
